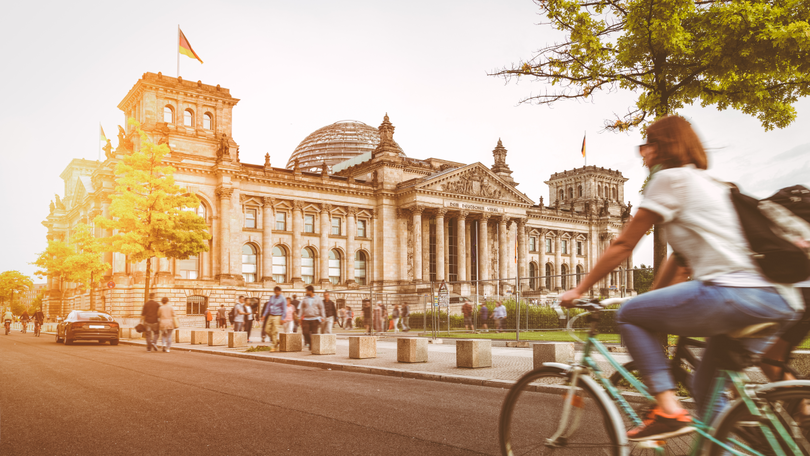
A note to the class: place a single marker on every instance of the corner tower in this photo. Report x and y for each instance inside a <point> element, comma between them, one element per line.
<point>587,187</point>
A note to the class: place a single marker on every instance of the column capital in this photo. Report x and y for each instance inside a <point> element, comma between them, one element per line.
<point>485,216</point>
<point>504,220</point>
<point>326,207</point>
<point>403,213</point>
<point>521,222</point>
<point>417,210</point>
<point>463,215</point>
<point>441,212</point>
<point>224,192</point>
<point>269,201</point>
<point>297,205</point>
<point>351,211</point>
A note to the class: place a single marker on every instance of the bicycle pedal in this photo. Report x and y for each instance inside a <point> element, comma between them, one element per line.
<point>651,444</point>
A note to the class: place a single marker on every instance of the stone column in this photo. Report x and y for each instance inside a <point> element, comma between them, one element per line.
<point>225,267</point>
<point>351,233</point>
<point>557,261</point>
<point>426,248</point>
<point>461,231</point>
<point>572,261</point>
<point>402,233</point>
<point>268,219</point>
<point>503,249</point>
<point>541,267</point>
<point>483,247</point>
<point>468,234</point>
<point>417,244</point>
<point>297,228</point>
<point>440,244</point>
<point>326,212</point>
<point>521,248</point>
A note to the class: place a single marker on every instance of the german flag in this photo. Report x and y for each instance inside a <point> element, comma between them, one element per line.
<point>185,47</point>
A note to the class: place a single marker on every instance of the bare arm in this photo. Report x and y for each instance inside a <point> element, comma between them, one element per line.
<point>672,273</point>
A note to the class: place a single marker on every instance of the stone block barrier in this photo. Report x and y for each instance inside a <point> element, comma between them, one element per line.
<point>412,350</point>
<point>553,352</point>
<point>324,344</point>
<point>237,339</point>
<point>290,342</point>
<point>182,335</point>
<point>217,338</point>
<point>199,337</point>
<point>474,353</point>
<point>362,347</point>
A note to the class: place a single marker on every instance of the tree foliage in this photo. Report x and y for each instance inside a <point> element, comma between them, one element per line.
<point>642,279</point>
<point>150,213</point>
<point>12,282</point>
<point>753,56</point>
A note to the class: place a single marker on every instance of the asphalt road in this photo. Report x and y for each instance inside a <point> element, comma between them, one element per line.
<point>89,399</point>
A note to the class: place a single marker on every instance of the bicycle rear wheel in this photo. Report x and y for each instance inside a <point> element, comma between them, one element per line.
<point>533,418</point>
<point>737,427</point>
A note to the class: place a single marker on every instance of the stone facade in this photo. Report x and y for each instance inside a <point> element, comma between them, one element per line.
<point>386,223</point>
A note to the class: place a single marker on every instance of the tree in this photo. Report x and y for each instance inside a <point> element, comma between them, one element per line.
<point>53,263</point>
<point>86,265</point>
<point>642,279</point>
<point>150,213</point>
<point>753,56</point>
<point>12,282</point>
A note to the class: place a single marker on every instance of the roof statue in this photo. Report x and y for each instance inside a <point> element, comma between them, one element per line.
<point>387,147</point>
<point>500,167</point>
<point>335,144</point>
<point>108,150</point>
<point>266,160</point>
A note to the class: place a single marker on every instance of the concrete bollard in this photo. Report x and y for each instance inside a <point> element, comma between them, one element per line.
<point>362,347</point>
<point>552,352</point>
<point>290,342</point>
<point>474,353</point>
<point>323,344</point>
<point>237,339</point>
<point>182,336</point>
<point>412,350</point>
<point>199,337</point>
<point>218,338</point>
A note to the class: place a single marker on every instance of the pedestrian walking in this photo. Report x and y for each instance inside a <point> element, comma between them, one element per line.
<point>384,323</point>
<point>467,310</point>
<point>349,323</point>
<point>166,317</point>
<point>208,317</point>
<point>274,311</point>
<point>252,308</point>
<point>367,315</point>
<point>395,316</point>
<point>378,317</point>
<point>311,314</point>
<point>342,317</point>
<point>239,311</point>
<point>149,319</point>
<point>289,317</point>
<point>330,312</point>
<point>263,333</point>
<point>222,317</point>
<point>296,303</point>
<point>499,315</point>
<point>405,314</point>
<point>484,314</point>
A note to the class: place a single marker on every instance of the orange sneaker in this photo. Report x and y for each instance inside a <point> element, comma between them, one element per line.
<point>659,426</point>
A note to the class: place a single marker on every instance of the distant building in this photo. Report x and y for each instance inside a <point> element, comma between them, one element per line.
<point>27,298</point>
<point>350,213</point>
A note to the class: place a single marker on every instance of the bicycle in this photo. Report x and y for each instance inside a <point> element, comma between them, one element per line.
<point>37,328</point>
<point>759,422</point>
<point>24,325</point>
<point>8,326</point>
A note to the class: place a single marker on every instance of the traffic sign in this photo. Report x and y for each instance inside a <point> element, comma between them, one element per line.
<point>444,295</point>
<point>110,284</point>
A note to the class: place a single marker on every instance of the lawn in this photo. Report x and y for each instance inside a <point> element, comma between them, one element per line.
<point>555,336</point>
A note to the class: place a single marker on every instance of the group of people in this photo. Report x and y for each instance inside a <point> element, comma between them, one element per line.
<point>158,320</point>
<point>498,315</point>
<point>376,318</point>
<point>38,318</point>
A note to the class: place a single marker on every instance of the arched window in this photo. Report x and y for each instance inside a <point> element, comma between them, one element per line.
<point>579,274</point>
<point>168,114</point>
<point>279,264</point>
<point>188,118</point>
<point>307,265</point>
<point>579,191</point>
<point>563,272</point>
<point>196,305</point>
<point>360,268</point>
<point>600,191</point>
<point>188,268</point>
<point>607,193</point>
<point>570,192</point>
<point>549,273</point>
<point>562,195</point>
<point>249,263</point>
<point>334,267</point>
<point>532,276</point>
<point>615,196</point>
<point>208,121</point>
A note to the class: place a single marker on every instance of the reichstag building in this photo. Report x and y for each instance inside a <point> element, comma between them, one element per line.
<point>351,212</point>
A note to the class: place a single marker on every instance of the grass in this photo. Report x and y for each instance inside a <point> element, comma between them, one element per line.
<point>260,348</point>
<point>555,336</point>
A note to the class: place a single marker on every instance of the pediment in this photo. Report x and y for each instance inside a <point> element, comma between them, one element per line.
<point>475,180</point>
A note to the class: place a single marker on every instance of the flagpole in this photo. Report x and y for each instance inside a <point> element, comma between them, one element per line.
<point>177,48</point>
<point>99,143</point>
<point>585,155</point>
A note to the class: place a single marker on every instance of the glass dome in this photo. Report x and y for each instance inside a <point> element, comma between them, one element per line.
<point>335,144</point>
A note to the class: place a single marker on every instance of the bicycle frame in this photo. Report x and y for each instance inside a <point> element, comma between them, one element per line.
<point>738,381</point>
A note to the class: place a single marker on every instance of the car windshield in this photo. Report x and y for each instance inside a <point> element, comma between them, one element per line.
<point>92,316</point>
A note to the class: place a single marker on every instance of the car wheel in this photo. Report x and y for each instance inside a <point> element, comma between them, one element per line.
<point>101,341</point>
<point>58,339</point>
<point>114,342</point>
<point>68,341</point>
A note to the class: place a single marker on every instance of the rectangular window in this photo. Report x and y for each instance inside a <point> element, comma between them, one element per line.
<point>334,270</point>
<point>308,270</point>
<point>564,248</point>
<point>250,218</point>
<point>532,244</point>
<point>187,269</point>
<point>361,228</point>
<point>548,245</point>
<point>196,305</point>
<point>280,269</point>
<point>579,248</point>
<point>281,221</point>
<point>309,224</point>
<point>336,226</point>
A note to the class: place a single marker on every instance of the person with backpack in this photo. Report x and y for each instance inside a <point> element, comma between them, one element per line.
<point>208,317</point>
<point>405,313</point>
<point>222,317</point>
<point>239,311</point>
<point>311,314</point>
<point>484,314</point>
<point>728,290</point>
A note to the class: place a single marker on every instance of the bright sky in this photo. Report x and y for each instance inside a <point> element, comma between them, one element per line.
<point>298,66</point>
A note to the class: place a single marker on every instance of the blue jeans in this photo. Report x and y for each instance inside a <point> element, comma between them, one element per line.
<point>696,309</point>
<point>166,335</point>
<point>152,333</point>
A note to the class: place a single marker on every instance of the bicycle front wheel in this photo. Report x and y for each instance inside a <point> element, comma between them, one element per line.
<point>544,414</point>
<point>743,432</point>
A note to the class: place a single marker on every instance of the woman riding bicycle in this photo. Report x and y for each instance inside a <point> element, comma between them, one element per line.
<point>727,291</point>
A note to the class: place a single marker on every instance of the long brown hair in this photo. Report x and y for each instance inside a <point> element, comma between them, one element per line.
<point>677,143</point>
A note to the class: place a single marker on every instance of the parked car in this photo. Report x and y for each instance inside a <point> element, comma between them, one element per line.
<point>87,325</point>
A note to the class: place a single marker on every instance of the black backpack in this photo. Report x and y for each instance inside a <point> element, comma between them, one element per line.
<point>232,315</point>
<point>780,260</point>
